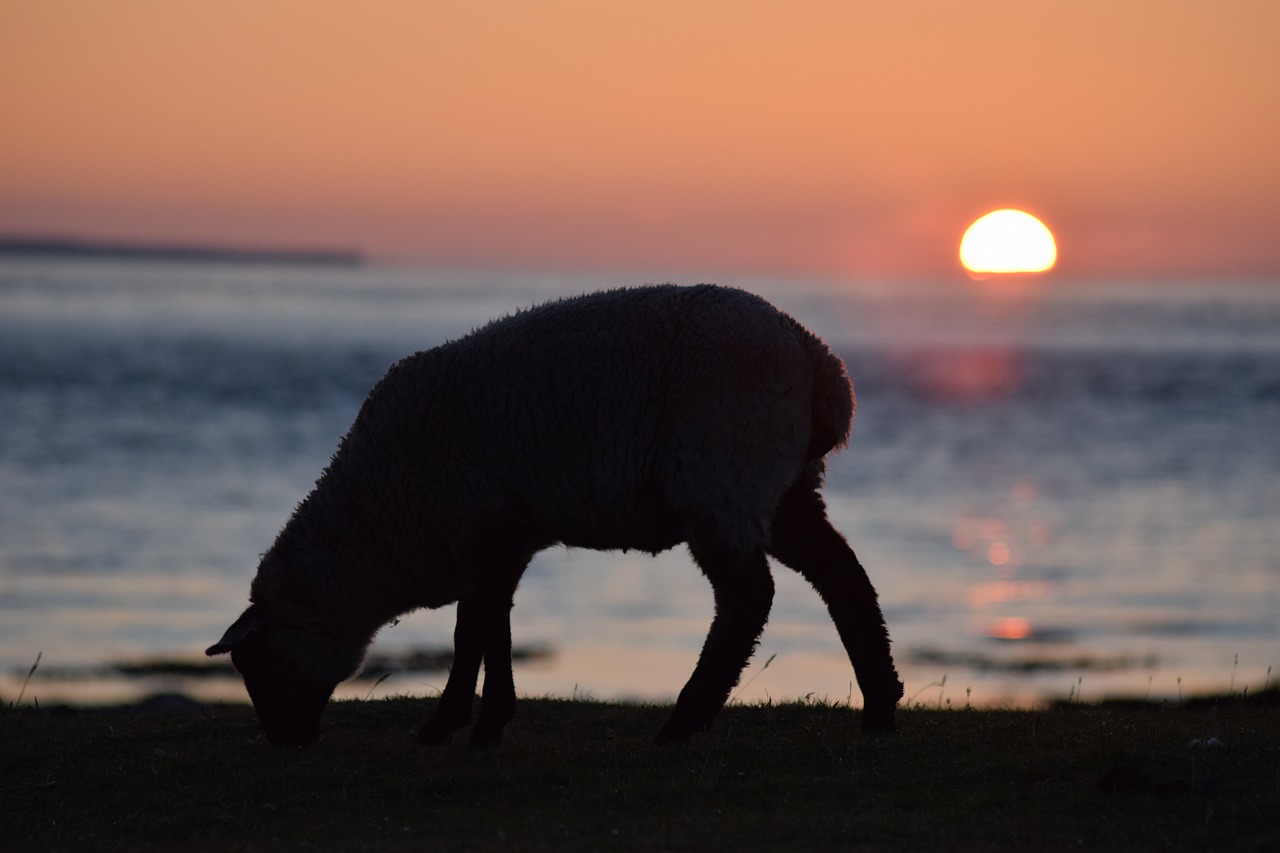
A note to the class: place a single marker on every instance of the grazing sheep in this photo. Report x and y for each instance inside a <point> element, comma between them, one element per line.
<point>632,418</point>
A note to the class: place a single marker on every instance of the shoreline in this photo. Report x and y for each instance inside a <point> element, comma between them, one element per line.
<point>71,248</point>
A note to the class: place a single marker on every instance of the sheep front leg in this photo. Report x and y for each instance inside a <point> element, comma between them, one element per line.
<point>804,539</point>
<point>743,590</point>
<point>454,710</point>
<point>483,632</point>
<point>495,560</point>
<point>498,701</point>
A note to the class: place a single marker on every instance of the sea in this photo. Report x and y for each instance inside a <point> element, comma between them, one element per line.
<point>1063,490</point>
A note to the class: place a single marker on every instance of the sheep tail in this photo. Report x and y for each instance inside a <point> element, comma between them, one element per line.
<point>833,401</point>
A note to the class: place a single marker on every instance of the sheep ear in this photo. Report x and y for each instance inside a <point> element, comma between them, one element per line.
<point>249,623</point>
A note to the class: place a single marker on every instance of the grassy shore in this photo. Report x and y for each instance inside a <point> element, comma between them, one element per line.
<point>585,775</point>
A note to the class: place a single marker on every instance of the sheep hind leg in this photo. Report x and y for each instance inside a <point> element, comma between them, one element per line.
<point>743,590</point>
<point>803,539</point>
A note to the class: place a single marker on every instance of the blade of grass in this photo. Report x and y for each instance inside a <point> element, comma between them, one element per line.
<point>27,680</point>
<point>754,677</point>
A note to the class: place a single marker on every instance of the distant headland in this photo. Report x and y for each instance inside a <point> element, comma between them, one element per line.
<point>92,249</point>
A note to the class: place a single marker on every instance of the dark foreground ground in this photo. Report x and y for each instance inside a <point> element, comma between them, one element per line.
<point>581,775</point>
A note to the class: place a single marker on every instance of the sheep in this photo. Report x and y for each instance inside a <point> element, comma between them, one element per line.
<point>634,418</point>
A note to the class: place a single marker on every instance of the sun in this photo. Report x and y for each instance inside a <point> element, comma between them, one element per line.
<point>1007,241</point>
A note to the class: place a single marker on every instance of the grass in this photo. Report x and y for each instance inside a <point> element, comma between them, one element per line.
<point>586,775</point>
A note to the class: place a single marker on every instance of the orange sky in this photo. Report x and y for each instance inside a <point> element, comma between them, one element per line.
<point>810,137</point>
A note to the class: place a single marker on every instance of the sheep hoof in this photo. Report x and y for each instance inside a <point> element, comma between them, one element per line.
<point>674,732</point>
<point>878,720</point>
<point>434,735</point>
<point>484,739</point>
<point>664,739</point>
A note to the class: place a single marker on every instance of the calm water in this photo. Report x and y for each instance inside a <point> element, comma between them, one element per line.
<point>1059,489</point>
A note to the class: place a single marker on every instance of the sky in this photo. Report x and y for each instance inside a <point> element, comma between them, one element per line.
<point>798,137</point>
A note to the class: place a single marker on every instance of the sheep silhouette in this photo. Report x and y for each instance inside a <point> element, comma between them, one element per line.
<point>632,418</point>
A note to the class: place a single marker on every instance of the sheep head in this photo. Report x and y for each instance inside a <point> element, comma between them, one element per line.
<point>289,673</point>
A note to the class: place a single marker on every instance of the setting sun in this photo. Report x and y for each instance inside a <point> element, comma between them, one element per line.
<point>1008,241</point>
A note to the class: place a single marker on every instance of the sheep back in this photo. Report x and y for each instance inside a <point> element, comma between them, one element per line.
<point>611,420</point>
